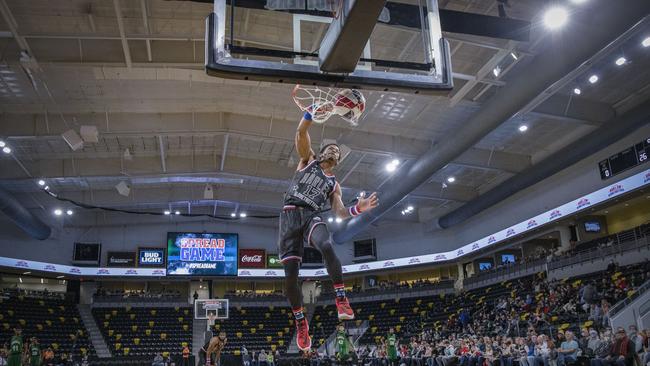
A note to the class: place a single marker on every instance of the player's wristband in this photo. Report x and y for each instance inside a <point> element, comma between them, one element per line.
<point>307,116</point>
<point>354,210</point>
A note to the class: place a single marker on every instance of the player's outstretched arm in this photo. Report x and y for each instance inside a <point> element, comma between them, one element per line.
<point>303,141</point>
<point>364,204</point>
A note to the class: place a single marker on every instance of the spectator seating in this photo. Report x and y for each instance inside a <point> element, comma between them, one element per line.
<point>142,332</point>
<point>55,321</point>
<point>257,328</point>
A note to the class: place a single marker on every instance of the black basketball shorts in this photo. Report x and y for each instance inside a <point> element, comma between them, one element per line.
<point>296,226</point>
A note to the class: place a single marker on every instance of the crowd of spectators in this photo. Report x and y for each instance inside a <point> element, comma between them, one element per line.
<point>523,328</point>
<point>249,294</point>
<point>103,293</point>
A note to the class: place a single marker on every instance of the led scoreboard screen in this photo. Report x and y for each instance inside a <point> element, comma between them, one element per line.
<point>626,159</point>
<point>205,254</point>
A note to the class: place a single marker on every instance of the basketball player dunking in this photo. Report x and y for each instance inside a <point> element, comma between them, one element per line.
<point>301,224</point>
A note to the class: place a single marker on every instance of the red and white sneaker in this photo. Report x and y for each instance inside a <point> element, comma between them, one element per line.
<point>344,309</point>
<point>302,335</point>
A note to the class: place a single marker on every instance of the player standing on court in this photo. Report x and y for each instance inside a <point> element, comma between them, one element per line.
<point>391,347</point>
<point>312,187</point>
<point>15,348</point>
<point>35,353</point>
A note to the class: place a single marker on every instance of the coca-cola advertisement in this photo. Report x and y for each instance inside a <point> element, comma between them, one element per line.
<point>252,258</point>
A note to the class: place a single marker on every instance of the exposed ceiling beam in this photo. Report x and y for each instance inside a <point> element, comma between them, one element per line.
<point>120,25</point>
<point>163,163</point>
<point>106,172</point>
<point>487,68</point>
<point>249,127</point>
<point>226,138</point>
<point>13,27</point>
<point>145,21</point>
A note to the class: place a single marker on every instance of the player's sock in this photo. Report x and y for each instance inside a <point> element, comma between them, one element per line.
<point>340,290</point>
<point>298,313</point>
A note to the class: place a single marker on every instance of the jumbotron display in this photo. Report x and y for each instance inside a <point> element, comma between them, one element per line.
<point>204,254</point>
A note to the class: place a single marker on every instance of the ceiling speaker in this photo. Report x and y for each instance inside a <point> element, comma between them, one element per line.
<point>73,140</point>
<point>89,134</point>
<point>123,188</point>
<point>208,193</point>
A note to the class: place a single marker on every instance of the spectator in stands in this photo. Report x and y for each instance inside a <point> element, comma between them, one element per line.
<point>262,359</point>
<point>48,357</point>
<point>622,351</point>
<point>568,351</point>
<point>269,359</point>
<point>158,360</point>
<point>646,347</point>
<point>245,357</point>
<point>636,339</point>
<point>3,357</point>
<point>593,343</point>
<point>186,356</point>
<point>195,296</point>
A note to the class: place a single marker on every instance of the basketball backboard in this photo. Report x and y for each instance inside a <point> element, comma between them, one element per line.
<point>205,307</point>
<point>278,43</point>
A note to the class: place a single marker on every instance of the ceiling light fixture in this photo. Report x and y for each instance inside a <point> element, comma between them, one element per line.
<point>646,42</point>
<point>392,166</point>
<point>621,61</point>
<point>523,128</point>
<point>41,182</point>
<point>555,17</point>
<point>6,150</point>
<point>243,214</point>
<point>339,220</point>
<point>577,91</point>
<point>69,212</point>
<point>2,143</point>
<point>451,179</point>
<point>496,71</point>
<point>167,212</point>
<point>514,56</point>
<point>177,212</point>
<point>330,219</point>
<point>232,214</point>
<point>58,212</point>
<point>593,79</point>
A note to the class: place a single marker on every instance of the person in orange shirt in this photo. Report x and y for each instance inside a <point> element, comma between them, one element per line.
<point>186,356</point>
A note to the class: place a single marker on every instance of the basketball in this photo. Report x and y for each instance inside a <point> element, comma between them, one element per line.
<point>349,104</point>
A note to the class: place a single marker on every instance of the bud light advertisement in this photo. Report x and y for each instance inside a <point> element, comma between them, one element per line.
<point>203,254</point>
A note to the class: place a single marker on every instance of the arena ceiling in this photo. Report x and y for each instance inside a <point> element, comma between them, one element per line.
<point>141,82</point>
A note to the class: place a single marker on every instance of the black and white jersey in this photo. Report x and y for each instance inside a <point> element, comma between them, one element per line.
<point>310,187</point>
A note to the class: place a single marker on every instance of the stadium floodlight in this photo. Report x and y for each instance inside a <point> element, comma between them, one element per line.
<point>646,42</point>
<point>555,17</point>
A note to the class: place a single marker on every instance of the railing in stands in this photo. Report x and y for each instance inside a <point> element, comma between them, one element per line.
<point>622,242</point>
<point>623,303</point>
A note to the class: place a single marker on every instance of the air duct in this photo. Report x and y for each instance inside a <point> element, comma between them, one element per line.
<point>583,37</point>
<point>24,219</point>
<point>606,135</point>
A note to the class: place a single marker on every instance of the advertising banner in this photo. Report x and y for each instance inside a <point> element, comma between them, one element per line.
<point>211,254</point>
<point>252,258</point>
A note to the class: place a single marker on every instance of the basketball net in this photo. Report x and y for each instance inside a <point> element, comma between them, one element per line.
<point>318,102</point>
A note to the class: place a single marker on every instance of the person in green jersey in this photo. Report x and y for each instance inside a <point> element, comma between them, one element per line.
<point>34,352</point>
<point>343,346</point>
<point>391,347</point>
<point>15,348</point>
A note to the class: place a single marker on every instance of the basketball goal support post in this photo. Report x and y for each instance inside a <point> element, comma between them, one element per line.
<point>339,55</point>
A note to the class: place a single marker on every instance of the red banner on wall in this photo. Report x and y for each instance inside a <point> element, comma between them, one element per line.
<point>252,258</point>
